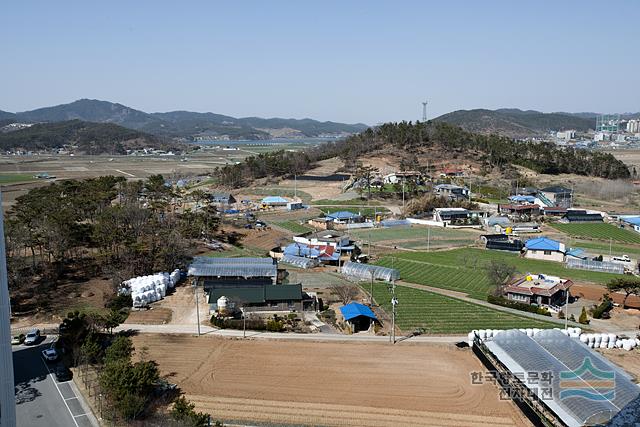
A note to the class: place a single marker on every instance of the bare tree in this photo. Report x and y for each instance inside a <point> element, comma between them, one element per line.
<point>499,274</point>
<point>345,293</point>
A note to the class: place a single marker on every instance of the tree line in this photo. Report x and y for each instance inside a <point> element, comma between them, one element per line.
<point>104,225</point>
<point>492,150</point>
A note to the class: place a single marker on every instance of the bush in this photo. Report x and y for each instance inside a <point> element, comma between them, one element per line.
<point>561,315</point>
<point>275,325</point>
<point>517,305</point>
<point>184,411</point>
<point>602,310</point>
<point>583,319</point>
<point>252,324</point>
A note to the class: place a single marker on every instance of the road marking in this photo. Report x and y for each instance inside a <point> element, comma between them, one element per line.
<point>59,392</point>
<point>81,415</point>
<point>125,173</point>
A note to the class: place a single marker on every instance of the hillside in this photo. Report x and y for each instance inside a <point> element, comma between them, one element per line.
<point>412,142</point>
<point>516,123</point>
<point>183,124</point>
<point>91,138</point>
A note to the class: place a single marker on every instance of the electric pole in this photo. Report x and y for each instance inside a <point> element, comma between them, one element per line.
<point>424,111</point>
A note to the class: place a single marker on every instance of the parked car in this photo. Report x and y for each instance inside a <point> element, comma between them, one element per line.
<point>50,354</point>
<point>62,373</point>
<point>17,339</point>
<point>32,337</point>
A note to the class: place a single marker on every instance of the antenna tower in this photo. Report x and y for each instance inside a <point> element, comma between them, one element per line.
<point>424,111</point>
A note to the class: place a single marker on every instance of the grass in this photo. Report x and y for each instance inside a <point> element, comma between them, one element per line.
<point>294,226</point>
<point>369,212</point>
<point>17,177</point>
<point>440,314</point>
<point>463,269</point>
<point>599,231</point>
<point>603,248</point>
<point>410,233</point>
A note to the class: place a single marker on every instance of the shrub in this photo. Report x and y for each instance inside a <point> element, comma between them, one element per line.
<point>561,315</point>
<point>583,319</point>
<point>275,325</point>
<point>517,305</point>
<point>602,310</point>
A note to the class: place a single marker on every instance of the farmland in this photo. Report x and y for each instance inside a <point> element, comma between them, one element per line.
<point>13,178</point>
<point>439,314</point>
<point>602,248</point>
<point>364,211</point>
<point>463,269</point>
<point>599,231</point>
<point>294,226</point>
<point>416,237</point>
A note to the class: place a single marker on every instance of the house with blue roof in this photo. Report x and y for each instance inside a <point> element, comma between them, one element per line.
<point>358,316</point>
<point>274,201</point>
<point>344,217</point>
<point>631,221</point>
<point>544,248</point>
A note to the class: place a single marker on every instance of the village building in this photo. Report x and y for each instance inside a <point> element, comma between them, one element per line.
<point>345,217</point>
<point>540,290</point>
<point>451,191</point>
<point>269,298</point>
<point>222,199</point>
<point>545,249</point>
<point>403,176</point>
<point>358,316</point>
<point>274,201</point>
<point>631,221</point>
<point>560,196</point>
<point>575,215</point>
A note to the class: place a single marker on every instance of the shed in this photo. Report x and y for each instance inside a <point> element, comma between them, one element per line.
<point>545,249</point>
<point>264,298</point>
<point>581,216</point>
<point>359,316</point>
<point>345,217</point>
<point>222,198</point>
<point>274,201</point>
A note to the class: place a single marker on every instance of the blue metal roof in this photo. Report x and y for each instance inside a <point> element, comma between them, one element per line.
<point>519,198</point>
<point>301,250</point>
<point>353,309</point>
<point>543,244</point>
<point>633,220</point>
<point>343,215</point>
<point>274,199</point>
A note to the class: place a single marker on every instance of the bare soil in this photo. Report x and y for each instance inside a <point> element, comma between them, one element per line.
<point>595,293</point>
<point>333,384</point>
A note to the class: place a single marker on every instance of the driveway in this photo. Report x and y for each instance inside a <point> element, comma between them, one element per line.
<point>40,399</point>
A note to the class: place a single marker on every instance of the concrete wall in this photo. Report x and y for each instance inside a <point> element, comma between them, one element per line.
<point>536,254</point>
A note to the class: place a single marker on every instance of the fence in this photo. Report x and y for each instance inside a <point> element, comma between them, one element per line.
<point>602,266</point>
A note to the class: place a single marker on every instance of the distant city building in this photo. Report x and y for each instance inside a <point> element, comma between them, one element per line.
<point>633,126</point>
<point>566,135</point>
<point>608,123</point>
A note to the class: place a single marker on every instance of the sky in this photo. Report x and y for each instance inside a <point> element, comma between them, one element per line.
<point>349,61</point>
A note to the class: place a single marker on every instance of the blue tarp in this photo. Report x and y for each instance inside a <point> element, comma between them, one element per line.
<point>542,244</point>
<point>343,215</point>
<point>353,309</point>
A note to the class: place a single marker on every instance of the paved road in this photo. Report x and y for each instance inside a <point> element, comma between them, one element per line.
<point>232,333</point>
<point>40,399</point>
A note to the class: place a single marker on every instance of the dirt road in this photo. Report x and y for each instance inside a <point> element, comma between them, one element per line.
<point>334,384</point>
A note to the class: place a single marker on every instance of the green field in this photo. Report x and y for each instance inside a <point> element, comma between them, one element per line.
<point>599,231</point>
<point>599,248</point>
<point>294,227</point>
<point>416,237</point>
<point>439,314</point>
<point>369,212</point>
<point>463,269</point>
<point>17,177</point>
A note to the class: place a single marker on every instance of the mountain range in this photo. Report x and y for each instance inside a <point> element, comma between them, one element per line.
<point>181,124</point>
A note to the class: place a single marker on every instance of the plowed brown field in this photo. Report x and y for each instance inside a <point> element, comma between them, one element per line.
<point>328,383</point>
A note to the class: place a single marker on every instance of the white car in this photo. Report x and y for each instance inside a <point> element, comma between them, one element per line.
<point>50,354</point>
<point>32,337</point>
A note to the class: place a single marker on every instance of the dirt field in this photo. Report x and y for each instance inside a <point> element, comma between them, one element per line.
<point>333,384</point>
<point>627,360</point>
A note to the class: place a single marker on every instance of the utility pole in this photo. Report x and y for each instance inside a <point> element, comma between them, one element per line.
<point>244,323</point>
<point>295,186</point>
<point>424,111</point>
<point>403,207</point>
<point>566,306</point>
<point>7,387</point>
<point>394,303</point>
<point>195,291</point>
<point>609,246</point>
<point>371,291</point>
<point>428,238</point>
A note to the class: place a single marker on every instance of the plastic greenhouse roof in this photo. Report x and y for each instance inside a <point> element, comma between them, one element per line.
<point>552,351</point>
<point>233,270</point>
<point>274,199</point>
<point>354,309</point>
<point>364,271</point>
<point>299,261</point>
<point>239,261</point>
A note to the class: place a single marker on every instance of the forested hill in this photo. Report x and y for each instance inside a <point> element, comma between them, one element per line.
<point>183,124</point>
<point>516,123</point>
<point>495,152</point>
<point>91,138</point>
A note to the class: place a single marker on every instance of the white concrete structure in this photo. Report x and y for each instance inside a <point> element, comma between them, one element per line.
<point>7,390</point>
<point>633,126</point>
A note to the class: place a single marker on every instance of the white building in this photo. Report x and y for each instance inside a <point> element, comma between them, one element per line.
<point>633,126</point>
<point>566,135</point>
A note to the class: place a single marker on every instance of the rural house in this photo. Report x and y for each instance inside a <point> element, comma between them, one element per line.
<point>222,199</point>
<point>213,273</point>
<point>560,196</point>
<point>631,221</point>
<point>451,191</point>
<point>403,176</point>
<point>345,217</point>
<point>545,249</point>
<point>269,298</point>
<point>358,316</point>
<point>274,201</point>
<point>540,290</point>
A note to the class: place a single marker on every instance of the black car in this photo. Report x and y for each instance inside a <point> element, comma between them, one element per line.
<point>62,373</point>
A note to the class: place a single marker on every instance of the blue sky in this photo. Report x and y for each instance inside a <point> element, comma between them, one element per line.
<point>352,61</point>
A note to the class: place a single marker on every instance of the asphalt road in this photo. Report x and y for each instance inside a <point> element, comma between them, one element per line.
<point>40,399</point>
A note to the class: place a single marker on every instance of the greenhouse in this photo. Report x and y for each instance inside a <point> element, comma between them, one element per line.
<point>360,271</point>
<point>300,262</point>
<point>239,261</point>
<point>584,388</point>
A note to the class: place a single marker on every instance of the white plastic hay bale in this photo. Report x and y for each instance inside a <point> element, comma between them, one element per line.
<point>584,338</point>
<point>619,344</point>
<point>597,339</point>
<point>495,332</point>
<point>613,337</point>
<point>611,344</point>
<point>564,331</point>
<point>603,344</point>
<point>489,333</point>
<point>577,330</point>
<point>529,332</point>
<point>626,345</point>
<point>591,344</point>
<point>604,338</point>
<point>632,342</point>
<point>470,336</point>
<point>483,334</point>
<point>637,342</point>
